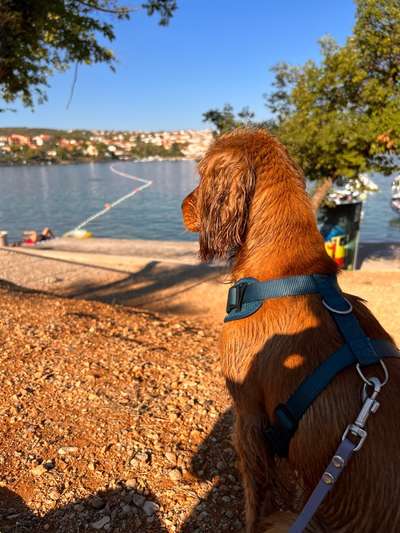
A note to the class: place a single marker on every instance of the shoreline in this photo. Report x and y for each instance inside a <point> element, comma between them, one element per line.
<point>162,276</point>
<point>383,252</point>
<point>45,163</point>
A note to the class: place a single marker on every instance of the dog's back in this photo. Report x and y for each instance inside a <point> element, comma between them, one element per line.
<point>251,206</point>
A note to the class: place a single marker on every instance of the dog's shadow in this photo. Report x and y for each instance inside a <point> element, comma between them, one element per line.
<point>123,510</point>
<point>215,461</point>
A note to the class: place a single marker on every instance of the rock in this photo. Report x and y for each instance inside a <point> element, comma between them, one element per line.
<point>138,500</point>
<point>150,508</point>
<point>79,507</point>
<point>39,470</point>
<point>96,502</point>
<point>175,474</point>
<point>67,449</point>
<point>93,397</point>
<point>130,483</point>
<point>54,494</point>
<point>142,457</point>
<point>100,524</point>
<point>48,465</point>
<point>171,457</point>
<point>127,509</point>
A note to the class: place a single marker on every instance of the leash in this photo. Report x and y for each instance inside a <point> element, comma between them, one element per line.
<point>342,455</point>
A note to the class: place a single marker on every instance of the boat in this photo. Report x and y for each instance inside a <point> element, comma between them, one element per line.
<point>347,191</point>
<point>367,183</point>
<point>395,201</point>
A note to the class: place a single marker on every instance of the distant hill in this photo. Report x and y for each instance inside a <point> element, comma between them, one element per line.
<point>31,132</point>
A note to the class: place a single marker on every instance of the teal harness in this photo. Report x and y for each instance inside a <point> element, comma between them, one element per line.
<point>248,295</point>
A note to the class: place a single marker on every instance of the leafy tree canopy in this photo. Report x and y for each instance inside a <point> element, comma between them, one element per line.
<point>38,37</point>
<point>342,117</point>
<point>226,119</point>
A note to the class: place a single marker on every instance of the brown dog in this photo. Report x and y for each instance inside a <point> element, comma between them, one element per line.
<point>251,207</point>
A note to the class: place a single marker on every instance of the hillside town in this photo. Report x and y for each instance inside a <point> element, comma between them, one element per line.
<point>22,145</point>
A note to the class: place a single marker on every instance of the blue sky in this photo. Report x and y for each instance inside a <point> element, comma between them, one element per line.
<point>213,52</point>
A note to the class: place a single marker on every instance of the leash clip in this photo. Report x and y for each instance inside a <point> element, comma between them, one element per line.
<point>370,406</point>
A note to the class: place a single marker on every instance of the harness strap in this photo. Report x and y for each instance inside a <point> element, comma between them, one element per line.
<point>247,296</point>
<point>288,415</point>
<point>347,323</point>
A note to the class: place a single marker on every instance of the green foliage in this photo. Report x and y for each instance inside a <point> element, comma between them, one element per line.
<point>226,120</point>
<point>38,37</point>
<point>342,117</point>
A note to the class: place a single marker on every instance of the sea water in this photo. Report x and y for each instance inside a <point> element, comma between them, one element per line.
<point>62,196</point>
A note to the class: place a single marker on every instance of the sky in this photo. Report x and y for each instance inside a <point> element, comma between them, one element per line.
<point>213,52</point>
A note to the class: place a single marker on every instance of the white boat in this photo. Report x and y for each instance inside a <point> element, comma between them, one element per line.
<point>395,201</point>
<point>367,183</point>
<point>347,191</point>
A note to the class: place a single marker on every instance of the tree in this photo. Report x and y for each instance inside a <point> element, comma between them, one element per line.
<point>225,119</point>
<point>38,37</point>
<point>342,117</point>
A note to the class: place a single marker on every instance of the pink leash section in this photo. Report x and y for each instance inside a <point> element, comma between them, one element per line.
<point>342,454</point>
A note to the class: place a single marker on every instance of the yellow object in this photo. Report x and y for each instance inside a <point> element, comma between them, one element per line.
<point>336,249</point>
<point>340,250</point>
<point>79,234</point>
<point>330,248</point>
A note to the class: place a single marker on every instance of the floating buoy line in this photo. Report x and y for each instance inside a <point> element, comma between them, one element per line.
<point>79,232</point>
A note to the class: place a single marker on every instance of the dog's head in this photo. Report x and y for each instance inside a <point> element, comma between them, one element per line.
<point>218,209</point>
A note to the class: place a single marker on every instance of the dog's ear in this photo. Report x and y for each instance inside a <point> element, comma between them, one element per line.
<point>224,198</point>
<point>190,211</point>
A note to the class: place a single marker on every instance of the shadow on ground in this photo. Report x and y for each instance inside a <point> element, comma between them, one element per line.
<point>215,461</point>
<point>156,286</point>
<point>124,509</point>
<point>121,510</point>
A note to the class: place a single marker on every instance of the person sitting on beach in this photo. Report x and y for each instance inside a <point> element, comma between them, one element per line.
<point>46,235</point>
<point>33,237</point>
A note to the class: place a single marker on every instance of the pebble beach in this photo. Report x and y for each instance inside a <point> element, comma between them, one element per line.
<point>114,413</point>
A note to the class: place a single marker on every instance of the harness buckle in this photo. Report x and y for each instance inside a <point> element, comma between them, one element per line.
<point>235,297</point>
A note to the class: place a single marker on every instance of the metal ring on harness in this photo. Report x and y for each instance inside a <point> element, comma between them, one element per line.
<point>345,312</point>
<point>368,381</point>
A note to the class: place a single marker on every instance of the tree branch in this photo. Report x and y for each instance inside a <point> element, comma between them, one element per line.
<point>71,94</point>
<point>118,11</point>
<point>320,193</point>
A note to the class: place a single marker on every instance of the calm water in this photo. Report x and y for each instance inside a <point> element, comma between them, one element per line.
<point>61,197</point>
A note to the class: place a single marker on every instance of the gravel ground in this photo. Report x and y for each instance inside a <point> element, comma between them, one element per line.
<point>112,419</point>
<point>115,418</point>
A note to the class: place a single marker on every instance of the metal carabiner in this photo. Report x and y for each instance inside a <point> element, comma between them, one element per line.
<point>370,406</point>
